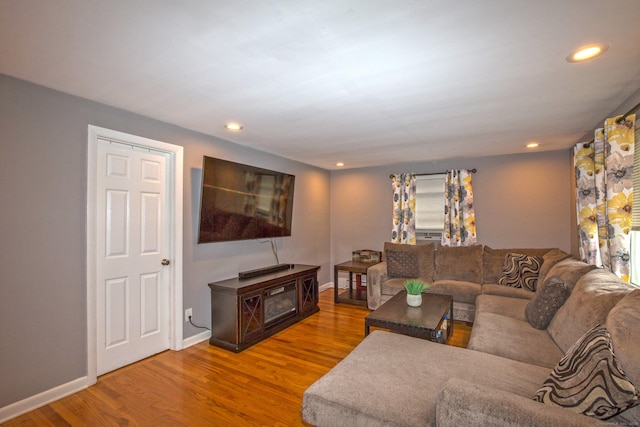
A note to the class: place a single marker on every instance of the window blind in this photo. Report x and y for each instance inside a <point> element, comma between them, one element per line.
<point>430,202</point>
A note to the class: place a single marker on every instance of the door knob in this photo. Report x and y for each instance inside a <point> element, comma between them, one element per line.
<point>165,262</point>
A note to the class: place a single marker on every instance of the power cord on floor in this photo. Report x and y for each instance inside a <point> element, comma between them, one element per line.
<point>201,327</point>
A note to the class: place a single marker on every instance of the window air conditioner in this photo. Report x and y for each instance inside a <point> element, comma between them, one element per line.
<point>428,236</point>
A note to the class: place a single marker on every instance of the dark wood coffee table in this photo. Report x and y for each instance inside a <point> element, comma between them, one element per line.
<point>433,320</point>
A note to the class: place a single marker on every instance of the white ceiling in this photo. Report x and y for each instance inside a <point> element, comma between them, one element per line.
<point>367,82</point>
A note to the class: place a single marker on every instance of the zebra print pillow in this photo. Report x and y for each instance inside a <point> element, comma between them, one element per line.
<point>521,271</point>
<point>589,379</point>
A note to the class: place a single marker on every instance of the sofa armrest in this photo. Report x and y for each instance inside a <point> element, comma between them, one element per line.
<point>376,276</point>
<point>462,403</point>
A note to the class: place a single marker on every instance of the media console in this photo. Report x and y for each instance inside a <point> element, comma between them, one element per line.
<point>246,311</point>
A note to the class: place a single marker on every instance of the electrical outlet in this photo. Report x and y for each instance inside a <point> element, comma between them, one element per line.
<point>187,314</point>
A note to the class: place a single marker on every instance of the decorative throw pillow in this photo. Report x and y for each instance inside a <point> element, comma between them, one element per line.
<point>520,271</point>
<point>589,379</point>
<point>402,263</point>
<point>550,296</point>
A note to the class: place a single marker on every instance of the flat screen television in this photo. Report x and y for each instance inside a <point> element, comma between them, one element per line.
<point>242,202</point>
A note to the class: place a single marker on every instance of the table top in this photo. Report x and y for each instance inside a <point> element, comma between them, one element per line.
<point>427,316</point>
<point>355,266</point>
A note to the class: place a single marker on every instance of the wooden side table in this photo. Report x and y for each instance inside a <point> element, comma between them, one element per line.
<point>357,295</point>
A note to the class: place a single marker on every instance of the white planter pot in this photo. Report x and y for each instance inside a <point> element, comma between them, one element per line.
<point>414,300</point>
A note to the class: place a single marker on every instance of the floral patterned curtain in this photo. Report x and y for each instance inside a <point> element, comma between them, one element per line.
<point>404,208</point>
<point>604,195</point>
<point>459,216</point>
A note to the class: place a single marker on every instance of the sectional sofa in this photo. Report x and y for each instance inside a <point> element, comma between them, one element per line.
<point>539,357</point>
<point>463,272</point>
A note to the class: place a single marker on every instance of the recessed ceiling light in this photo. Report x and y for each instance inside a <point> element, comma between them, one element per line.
<point>340,164</point>
<point>587,52</point>
<point>533,145</point>
<point>233,126</point>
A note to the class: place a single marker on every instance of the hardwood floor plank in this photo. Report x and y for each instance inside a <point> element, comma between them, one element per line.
<point>204,385</point>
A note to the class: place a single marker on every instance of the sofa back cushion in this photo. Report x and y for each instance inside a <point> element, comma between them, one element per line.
<point>570,270</point>
<point>493,261</point>
<point>459,263</point>
<point>591,299</point>
<point>550,259</point>
<point>409,261</point>
<point>623,324</point>
<point>426,256</point>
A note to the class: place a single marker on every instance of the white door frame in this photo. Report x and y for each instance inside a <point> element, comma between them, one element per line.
<point>174,201</point>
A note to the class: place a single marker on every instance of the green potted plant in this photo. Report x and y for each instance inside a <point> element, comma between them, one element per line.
<point>414,288</point>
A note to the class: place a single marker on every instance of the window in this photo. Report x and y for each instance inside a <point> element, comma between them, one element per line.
<point>266,191</point>
<point>635,227</point>
<point>430,202</point>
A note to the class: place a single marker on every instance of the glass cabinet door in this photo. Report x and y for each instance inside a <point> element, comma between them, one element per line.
<point>251,323</point>
<point>309,296</point>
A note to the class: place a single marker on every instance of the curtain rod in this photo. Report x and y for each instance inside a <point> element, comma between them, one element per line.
<point>474,170</point>
<point>624,117</point>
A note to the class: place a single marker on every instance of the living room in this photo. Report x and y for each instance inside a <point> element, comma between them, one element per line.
<point>523,198</point>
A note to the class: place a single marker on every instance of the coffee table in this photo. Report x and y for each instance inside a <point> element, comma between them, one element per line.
<point>433,320</point>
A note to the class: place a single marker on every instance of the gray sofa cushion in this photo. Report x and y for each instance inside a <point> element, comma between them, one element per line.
<point>504,306</point>
<point>570,270</point>
<point>393,286</point>
<point>548,300</point>
<point>426,256</point>
<point>506,291</point>
<point>493,260</point>
<point>463,403</point>
<point>459,263</point>
<point>593,296</point>
<point>460,291</point>
<point>550,259</point>
<point>513,339</point>
<point>622,323</point>
<point>377,386</point>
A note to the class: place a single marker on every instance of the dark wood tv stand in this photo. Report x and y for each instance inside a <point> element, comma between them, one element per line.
<point>246,311</point>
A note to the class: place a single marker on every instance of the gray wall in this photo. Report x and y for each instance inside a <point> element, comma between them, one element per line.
<point>520,200</point>
<point>43,167</point>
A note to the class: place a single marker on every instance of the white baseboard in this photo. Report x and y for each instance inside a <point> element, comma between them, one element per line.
<point>34,402</point>
<point>195,339</point>
<point>328,285</point>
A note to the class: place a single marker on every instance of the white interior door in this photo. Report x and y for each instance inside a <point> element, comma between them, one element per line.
<point>132,270</point>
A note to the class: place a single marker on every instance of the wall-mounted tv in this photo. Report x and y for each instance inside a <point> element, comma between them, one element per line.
<point>242,202</point>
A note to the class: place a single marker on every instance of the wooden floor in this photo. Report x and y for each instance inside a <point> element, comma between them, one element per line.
<point>207,386</point>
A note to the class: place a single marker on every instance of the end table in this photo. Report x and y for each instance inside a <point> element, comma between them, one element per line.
<point>358,295</point>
